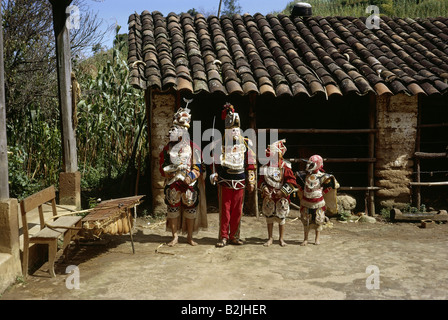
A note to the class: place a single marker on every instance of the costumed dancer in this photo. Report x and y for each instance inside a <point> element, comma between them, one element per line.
<point>317,193</point>
<point>276,182</point>
<point>234,172</point>
<point>180,164</point>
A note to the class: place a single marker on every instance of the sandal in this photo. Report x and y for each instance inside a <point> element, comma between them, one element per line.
<point>222,243</point>
<point>236,242</point>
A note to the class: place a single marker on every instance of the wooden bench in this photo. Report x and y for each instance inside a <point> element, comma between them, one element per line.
<point>50,231</point>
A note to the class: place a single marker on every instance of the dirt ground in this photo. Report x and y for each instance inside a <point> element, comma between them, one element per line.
<point>406,261</point>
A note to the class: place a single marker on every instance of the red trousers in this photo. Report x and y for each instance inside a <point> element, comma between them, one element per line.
<point>230,211</point>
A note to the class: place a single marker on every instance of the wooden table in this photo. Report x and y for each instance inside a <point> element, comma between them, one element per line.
<point>111,217</point>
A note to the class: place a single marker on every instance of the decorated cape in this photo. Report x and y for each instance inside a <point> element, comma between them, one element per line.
<point>329,186</point>
<point>286,181</point>
<point>196,172</point>
<point>229,173</point>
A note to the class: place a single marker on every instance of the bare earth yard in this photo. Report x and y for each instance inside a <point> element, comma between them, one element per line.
<point>408,261</point>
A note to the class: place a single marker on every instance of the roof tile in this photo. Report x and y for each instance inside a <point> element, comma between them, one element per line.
<point>283,55</point>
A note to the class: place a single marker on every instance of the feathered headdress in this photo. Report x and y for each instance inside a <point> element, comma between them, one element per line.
<point>182,117</point>
<point>230,117</point>
<point>277,147</point>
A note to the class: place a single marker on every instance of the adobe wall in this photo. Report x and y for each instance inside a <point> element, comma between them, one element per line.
<point>162,111</point>
<point>10,266</point>
<point>395,146</point>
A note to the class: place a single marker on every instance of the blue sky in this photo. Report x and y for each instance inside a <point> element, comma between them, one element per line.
<point>118,11</point>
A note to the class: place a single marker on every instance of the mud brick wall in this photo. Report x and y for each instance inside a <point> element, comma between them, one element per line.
<point>395,146</point>
<point>162,111</point>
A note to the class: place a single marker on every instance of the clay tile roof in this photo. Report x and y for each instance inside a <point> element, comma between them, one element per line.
<point>281,55</point>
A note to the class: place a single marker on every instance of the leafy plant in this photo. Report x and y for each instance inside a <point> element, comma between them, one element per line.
<point>231,7</point>
<point>344,215</point>
<point>410,209</point>
<point>385,213</point>
<point>111,113</point>
<point>357,8</point>
<point>110,128</point>
<point>423,208</point>
<point>21,185</point>
<point>32,113</point>
<point>93,202</point>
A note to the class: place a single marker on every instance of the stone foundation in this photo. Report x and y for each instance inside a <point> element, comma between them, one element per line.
<point>395,146</point>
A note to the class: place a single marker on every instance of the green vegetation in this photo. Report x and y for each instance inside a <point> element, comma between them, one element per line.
<point>110,129</point>
<point>344,215</point>
<point>230,7</point>
<point>385,213</point>
<point>357,8</point>
<point>111,116</point>
<point>410,209</point>
<point>32,113</point>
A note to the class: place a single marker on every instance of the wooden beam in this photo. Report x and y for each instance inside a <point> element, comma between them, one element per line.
<point>64,69</point>
<point>338,160</point>
<point>429,184</point>
<point>4,178</point>
<point>429,155</point>
<point>368,160</point>
<point>433,125</point>
<point>397,215</point>
<point>311,130</point>
<point>359,188</point>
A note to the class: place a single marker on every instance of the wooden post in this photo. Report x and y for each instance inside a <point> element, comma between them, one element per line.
<point>417,190</point>
<point>149,163</point>
<point>219,8</point>
<point>64,69</point>
<point>253,125</point>
<point>4,184</point>
<point>69,177</point>
<point>371,165</point>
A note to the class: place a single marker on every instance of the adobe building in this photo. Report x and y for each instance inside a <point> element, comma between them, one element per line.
<point>372,102</point>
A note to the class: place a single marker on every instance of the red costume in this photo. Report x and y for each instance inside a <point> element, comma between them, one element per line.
<point>180,165</point>
<point>317,192</point>
<point>235,170</point>
<point>277,182</point>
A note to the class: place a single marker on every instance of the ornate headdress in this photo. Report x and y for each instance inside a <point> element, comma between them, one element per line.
<point>277,147</point>
<point>315,163</point>
<point>230,117</point>
<point>182,117</point>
